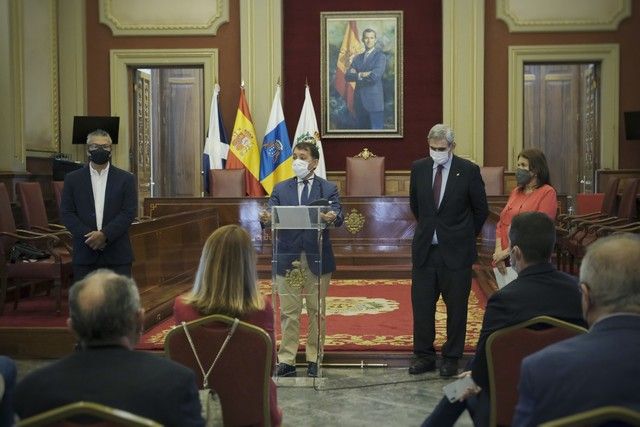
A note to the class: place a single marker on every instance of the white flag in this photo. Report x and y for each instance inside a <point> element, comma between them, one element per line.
<point>308,128</point>
<point>216,146</point>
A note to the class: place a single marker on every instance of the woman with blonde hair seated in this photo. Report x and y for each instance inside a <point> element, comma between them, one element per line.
<point>227,283</point>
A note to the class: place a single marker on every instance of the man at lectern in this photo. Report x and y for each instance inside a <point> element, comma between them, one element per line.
<point>297,266</point>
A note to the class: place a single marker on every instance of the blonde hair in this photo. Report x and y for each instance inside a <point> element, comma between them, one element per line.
<point>226,280</point>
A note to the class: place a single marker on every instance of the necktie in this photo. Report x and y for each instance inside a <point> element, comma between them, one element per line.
<point>304,197</point>
<point>437,184</point>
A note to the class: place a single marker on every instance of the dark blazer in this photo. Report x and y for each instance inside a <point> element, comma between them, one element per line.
<point>141,383</point>
<point>459,218</point>
<point>78,214</point>
<point>539,290</point>
<point>585,372</point>
<point>369,89</point>
<point>292,242</point>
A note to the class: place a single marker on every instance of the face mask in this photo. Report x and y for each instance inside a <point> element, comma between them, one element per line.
<point>439,157</point>
<point>523,177</point>
<point>99,156</point>
<point>300,168</point>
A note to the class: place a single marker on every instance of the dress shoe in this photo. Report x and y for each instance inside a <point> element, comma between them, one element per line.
<point>449,368</point>
<point>420,365</point>
<point>286,370</point>
<point>312,369</point>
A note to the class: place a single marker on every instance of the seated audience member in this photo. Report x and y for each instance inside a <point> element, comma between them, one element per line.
<point>539,290</point>
<point>599,368</point>
<point>106,317</point>
<point>227,283</point>
<point>8,374</point>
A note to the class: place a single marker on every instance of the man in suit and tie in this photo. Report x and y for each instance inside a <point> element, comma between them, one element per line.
<point>99,203</point>
<point>367,70</point>
<point>298,252</point>
<point>106,317</point>
<point>599,368</point>
<point>448,200</point>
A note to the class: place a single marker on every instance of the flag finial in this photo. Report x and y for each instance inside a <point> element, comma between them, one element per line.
<point>306,82</point>
<point>278,83</point>
<point>242,85</point>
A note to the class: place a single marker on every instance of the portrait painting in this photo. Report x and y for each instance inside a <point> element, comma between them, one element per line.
<point>361,75</point>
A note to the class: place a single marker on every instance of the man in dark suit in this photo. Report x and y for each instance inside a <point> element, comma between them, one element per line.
<point>106,316</point>
<point>99,203</point>
<point>599,368</point>
<point>367,70</point>
<point>297,268</point>
<point>539,290</point>
<point>448,200</point>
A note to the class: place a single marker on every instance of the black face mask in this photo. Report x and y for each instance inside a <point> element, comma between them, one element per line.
<point>99,156</point>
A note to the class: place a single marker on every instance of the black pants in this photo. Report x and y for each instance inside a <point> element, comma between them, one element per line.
<point>80,271</point>
<point>428,282</point>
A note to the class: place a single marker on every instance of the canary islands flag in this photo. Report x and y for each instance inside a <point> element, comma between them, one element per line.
<point>243,150</point>
<point>275,160</point>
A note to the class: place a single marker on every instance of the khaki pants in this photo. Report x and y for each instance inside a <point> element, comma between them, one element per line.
<point>291,300</point>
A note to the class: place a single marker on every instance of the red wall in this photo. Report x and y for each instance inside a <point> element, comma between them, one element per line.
<point>422,75</point>
<point>497,41</point>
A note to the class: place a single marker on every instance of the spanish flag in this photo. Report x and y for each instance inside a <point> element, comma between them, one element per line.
<point>350,47</point>
<point>243,149</point>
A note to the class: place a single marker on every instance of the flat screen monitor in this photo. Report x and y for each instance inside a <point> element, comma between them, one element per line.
<point>84,125</point>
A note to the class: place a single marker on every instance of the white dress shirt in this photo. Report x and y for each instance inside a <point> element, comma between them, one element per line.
<point>445,175</point>
<point>99,187</point>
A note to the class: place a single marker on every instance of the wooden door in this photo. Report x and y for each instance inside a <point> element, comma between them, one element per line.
<point>141,147</point>
<point>560,116</point>
<point>178,130</point>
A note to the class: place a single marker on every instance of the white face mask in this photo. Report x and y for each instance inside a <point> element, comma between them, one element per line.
<point>439,157</point>
<point>300,168</point>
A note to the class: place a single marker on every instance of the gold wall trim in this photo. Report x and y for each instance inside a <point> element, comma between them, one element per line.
<point>463,75</point>
<point>564,15</point>
<point>164,17</point>
<point>609,58</point>
<point>122,59</point>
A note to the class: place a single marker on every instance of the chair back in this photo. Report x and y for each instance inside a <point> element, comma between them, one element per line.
<point>86,413</point>
<point>242,374</point>
<point>365,174</point>
<point>505,350</point>
<point>628,205</point>
<point>34,213</point>
<point>604,416</point>
<point>7,223</point>
<point>58,186</point>
<point>227,183</point>
<point>493,177</point>
<point>610,201</point>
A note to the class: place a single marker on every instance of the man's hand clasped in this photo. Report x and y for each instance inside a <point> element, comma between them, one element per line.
<point>96,240</point>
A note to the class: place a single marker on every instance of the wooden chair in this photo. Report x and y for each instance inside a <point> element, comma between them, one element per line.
<point>227,183</point>
<point>365,174</point>
<point>33,210</point>
<point>58,187</point>
<point>493,177</point>
<point>57,268</point>
<point>242,375</point>
<point>505,350</point>
<point>86,413</point>
<point>603,416</point>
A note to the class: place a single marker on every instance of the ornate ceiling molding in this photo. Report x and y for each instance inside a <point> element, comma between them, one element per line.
<point>164,17</point>
<point>562,16</point>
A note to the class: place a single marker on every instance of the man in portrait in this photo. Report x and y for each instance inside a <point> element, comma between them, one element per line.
<point>366,70</point>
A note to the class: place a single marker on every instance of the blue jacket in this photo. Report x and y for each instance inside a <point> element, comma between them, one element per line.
<point>369,89</point>
<point>78,214</point>
<point>291,242</point>
<point>596,369</point>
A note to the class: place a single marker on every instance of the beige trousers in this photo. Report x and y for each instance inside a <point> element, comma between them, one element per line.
<point>291,301</point>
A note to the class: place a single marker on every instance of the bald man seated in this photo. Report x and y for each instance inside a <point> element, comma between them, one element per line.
<point>106,317</point>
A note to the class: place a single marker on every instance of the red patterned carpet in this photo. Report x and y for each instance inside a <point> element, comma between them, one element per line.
<point>364,315</point>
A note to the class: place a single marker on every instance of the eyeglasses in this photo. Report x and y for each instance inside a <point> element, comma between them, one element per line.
<point>92,147</point>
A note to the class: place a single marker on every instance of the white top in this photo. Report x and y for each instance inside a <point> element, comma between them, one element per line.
<point>99,187</point>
